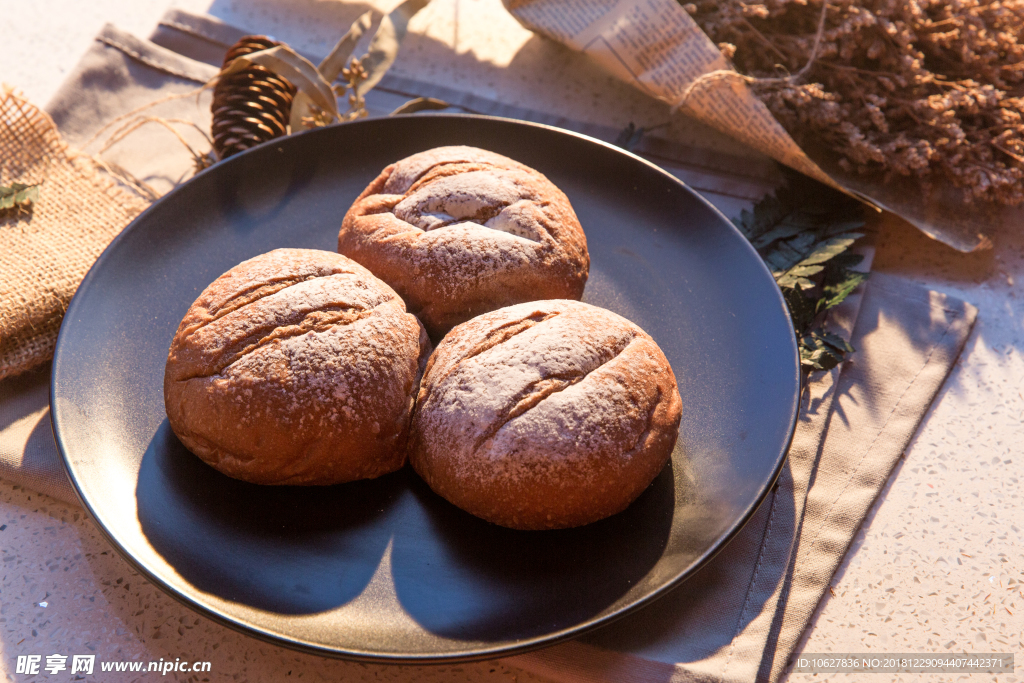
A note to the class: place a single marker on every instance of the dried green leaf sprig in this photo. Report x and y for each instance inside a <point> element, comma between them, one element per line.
<point>18,195</point>
<point>803,233</point>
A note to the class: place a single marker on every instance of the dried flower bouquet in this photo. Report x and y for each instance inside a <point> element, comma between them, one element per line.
<point>930,89</point>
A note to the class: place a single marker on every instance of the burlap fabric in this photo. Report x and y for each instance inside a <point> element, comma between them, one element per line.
<point>46,249</point>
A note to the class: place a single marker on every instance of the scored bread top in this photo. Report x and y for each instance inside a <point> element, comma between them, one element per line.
<point>459,231</point>
<point>275,297</point>
<point>545,414</point>
<point>297,366</point>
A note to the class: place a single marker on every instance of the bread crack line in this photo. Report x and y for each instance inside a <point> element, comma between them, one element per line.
<point>444,169</point>
<point>536,392</point>
<point>490,200</point>
<point>499,335</point>
<point>436,220</point>
<point>650,422</point>
<point>261,291</point>
<point>316,321</point>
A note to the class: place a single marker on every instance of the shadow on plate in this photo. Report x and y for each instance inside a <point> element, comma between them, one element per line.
<point>301,550</point>
<point>285,549</point>
<point>461,577</point>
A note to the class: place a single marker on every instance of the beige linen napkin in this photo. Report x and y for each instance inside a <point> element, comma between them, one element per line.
<point>741,616</point>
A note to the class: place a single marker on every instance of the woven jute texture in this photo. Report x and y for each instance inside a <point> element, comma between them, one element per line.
<point>47,248</point>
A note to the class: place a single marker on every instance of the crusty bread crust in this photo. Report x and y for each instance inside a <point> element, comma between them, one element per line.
<point>296,367</point>
<point>459,231</point>
<point>545,415</point>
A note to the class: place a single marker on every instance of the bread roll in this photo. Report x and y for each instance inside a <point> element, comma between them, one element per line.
<point>459,231</point>
<point>545,415</point>
<point>296,367</point>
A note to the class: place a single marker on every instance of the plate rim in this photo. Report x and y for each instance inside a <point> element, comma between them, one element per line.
<point>518,647</point>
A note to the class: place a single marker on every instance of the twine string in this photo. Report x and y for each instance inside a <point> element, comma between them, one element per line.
<point>718,75</point>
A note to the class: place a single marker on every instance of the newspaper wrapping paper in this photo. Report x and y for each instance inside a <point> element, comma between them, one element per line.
<point>658,47</point>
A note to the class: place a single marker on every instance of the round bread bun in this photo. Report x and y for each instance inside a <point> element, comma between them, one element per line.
<point>545,415</point>
<point>296,367</point>
<point>459,231</point>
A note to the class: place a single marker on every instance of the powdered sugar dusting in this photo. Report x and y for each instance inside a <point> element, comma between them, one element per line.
<point>315,364</point>
<point>347,371</point>
<point>474,197</point>
<point>558,390</point>
<point>262,276</point>
<point>483,231</point>
<point>316,303</point>
<point>407,171</point>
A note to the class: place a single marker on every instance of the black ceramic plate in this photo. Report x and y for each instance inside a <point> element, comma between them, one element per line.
<point>385,569</point>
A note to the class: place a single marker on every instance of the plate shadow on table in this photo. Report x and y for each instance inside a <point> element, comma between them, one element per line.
<point>284,549</point>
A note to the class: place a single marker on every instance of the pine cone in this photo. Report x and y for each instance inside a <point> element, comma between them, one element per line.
<point>252,105</point>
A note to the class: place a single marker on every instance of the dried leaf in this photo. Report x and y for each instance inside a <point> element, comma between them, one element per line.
<point>820,252</point>
<point>821,350</point>
<point>286,63</point>
<point>787,254</point>
<point>384,46</point>
<point>799,277</point>
<point>788,226</point>
<point>420,104</point>
<point>305,114</point>
<point>803,233</point>
<point>766,215</point>
<point>836,293</point>
<point>802,308</point>
<point>333,63</point>
<point>830,248</point>
<point>17,195</point>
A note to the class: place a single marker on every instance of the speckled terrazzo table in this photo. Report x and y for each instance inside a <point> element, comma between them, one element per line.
<point>937,567</point>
